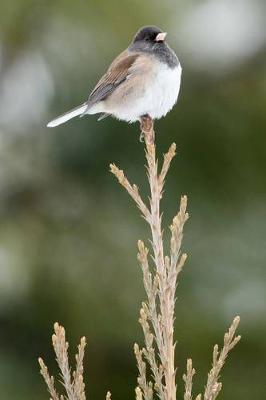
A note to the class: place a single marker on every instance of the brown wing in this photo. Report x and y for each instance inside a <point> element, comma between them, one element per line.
<point>115,75</point>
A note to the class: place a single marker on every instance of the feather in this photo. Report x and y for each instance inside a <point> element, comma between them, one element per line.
<point>102,116</point>
<point>68,115</point>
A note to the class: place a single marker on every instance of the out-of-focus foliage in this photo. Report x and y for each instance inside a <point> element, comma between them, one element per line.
<point>67,232</point>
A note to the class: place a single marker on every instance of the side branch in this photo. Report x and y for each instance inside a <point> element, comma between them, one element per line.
<point>131,189</point>
<point>73,383</point>
<point>166,164</point>
<point>213,386</point>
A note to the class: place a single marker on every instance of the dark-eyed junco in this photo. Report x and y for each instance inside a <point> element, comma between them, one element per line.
<point>143,80</point>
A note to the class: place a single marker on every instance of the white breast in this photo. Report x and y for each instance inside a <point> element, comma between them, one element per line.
<point>154,95</point>
<point>163,93</point>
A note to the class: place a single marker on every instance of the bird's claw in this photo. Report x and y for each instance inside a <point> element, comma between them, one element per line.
<point>141,137</point>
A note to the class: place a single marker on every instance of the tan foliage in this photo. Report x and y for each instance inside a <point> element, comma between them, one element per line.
<point>156,360</point>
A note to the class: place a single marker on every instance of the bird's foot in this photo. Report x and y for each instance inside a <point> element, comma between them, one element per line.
<point>147,132</point>
<point>141,137</point>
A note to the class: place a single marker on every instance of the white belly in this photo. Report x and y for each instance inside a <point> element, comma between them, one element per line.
<point>162,95</point>
<point>154,96</point>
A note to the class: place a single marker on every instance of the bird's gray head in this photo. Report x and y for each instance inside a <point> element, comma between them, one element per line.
<point>149,35</point>
<point>151,40</point>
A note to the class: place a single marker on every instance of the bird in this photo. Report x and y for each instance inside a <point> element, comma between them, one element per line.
<point>142,81</point>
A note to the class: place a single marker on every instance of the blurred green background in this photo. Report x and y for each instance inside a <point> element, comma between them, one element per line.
<point>68,232</point>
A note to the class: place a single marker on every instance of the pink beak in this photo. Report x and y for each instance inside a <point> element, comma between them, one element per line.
<point>161,37</point>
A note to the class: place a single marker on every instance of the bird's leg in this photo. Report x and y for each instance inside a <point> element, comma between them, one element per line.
<point>146,126</point>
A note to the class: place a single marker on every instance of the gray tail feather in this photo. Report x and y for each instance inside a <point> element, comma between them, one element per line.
<point>102,116</point>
